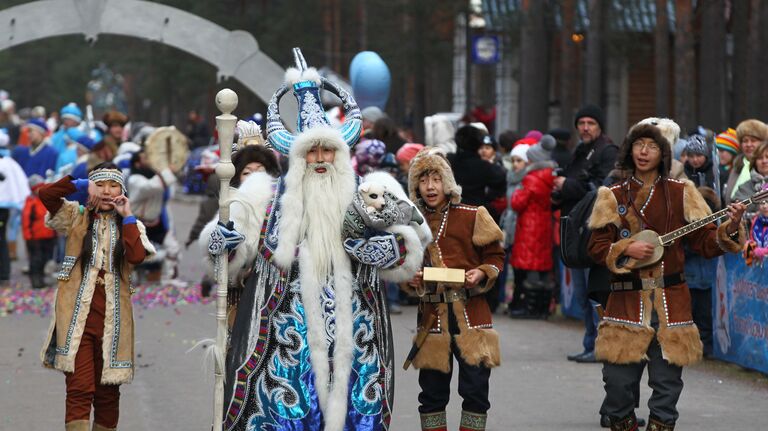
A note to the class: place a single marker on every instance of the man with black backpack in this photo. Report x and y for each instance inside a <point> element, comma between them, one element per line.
<point>593,159</point>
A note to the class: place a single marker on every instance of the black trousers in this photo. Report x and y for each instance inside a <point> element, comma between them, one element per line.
<point>701,307</point>
<point>664,379</point>
<point>5,258</point>
<point>473,382</point>
<point>40,252</point>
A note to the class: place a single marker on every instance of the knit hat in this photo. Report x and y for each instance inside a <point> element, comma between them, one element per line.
<point>372,113</point>
<point>469,138</point>
<point>407,152</point>
<point>727,141</point>
<point>560,134</point>
<point>72,112</point>
<point>543,150</point>
<point>35,181</point>
<point>86,142</point>
<point>526,141</point>
<point>432,159</point>
<point>535,134</point>
<point>754,128</point>
<point>592,112</point>
<point>695,144</point>
<point>38,125</point>
<point>520,151</point>
<point>369,154</point>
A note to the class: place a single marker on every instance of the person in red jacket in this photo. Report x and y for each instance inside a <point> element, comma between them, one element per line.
<point>532,249</point>
<point>40,239</point>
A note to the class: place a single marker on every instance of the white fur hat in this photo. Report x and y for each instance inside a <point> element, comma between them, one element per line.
<point>521,151</point>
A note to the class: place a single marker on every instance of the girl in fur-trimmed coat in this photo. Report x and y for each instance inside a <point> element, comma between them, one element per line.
<point>465,237</point>
<point>91,334</point>
<point>648,315</point>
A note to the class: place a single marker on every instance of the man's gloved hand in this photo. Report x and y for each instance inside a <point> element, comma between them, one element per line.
<point>224,237</point>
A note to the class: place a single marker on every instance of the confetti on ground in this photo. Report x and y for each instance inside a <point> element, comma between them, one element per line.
<point>18,301</point>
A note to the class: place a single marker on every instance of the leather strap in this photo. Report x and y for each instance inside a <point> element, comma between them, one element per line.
<point>450,296</point>
<point>629,283</point>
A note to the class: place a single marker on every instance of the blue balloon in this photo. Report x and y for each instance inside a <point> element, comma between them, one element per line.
<point>370,80</point>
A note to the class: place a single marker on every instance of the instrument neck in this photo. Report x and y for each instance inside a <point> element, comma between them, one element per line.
<point>678,233</point>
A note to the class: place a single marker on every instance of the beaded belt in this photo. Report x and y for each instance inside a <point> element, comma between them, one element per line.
<point>452,295</point>
<point>636,283</point>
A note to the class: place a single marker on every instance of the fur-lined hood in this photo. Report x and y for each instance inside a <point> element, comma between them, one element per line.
<point>432,160</point>
<point>624,159</point>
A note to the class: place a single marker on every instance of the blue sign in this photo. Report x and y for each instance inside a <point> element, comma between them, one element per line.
<point>485,49</point>
<point>740,315</point>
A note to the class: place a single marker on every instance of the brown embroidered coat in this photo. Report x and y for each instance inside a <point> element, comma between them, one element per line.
<point>625,331</point>
<point>75,289</point>
<point>465,237</point>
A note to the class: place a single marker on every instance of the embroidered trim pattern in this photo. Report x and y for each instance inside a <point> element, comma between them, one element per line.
<point>472,421</point>
<point>114,363</point>
<point>66,268</point>
<point>433,421</point>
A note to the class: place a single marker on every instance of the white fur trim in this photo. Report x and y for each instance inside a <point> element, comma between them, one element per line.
<point>332,398</point>
<point>413,259</point>
<point>292,201</point>
<point>145,242</point>
<point>293,75</point>
<point>327,136</point>
<point>248,206</point>
<point>669,129</point>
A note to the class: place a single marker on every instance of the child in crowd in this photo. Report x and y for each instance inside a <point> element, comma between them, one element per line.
<point>518,163</point>
<point>457,319</point>
<point>532,248</point>
<point>40,239</point>
<point>91,334</point>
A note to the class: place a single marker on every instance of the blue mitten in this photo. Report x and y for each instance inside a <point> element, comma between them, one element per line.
<point>224,237</point>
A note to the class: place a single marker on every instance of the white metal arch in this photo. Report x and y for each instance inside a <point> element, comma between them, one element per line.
<point>234,53</point>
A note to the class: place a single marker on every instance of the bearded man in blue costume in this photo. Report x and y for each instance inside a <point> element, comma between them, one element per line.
<point>311,346</point>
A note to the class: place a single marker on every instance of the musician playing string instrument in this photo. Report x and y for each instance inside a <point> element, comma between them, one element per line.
<point>648,314</point>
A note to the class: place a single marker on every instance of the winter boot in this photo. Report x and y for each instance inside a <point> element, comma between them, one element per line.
<point>97,427</point>
<point>433,422</point>
<point>472,421</point>
<point>627,423</point>
<point>80,425</point>
<point>657,425</point>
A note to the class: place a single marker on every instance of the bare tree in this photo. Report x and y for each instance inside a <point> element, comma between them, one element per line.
<point>684,65</point>
<point>661,58</point>
<point>593,85</point>
<point>740,31</point>
<point>534,75</point>
<point>568,64</point>
<point>712,64</point>
<point>754,74</point>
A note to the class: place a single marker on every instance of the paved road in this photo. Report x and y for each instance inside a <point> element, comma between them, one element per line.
<point>534,389</point>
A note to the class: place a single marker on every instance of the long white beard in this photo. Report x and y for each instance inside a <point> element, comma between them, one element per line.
<point>321,226</point>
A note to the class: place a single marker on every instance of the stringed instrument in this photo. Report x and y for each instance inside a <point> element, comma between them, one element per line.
<point>660,241</point>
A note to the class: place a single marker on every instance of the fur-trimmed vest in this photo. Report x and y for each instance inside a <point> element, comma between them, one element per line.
<point>626,329</point>
<point>75,291</point>
<point>465,237</point>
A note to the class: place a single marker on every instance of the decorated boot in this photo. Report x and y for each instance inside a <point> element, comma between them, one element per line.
<point>472,421</point>
<point>434,422</point>
<point>627,423</point>
<point>657,425</point>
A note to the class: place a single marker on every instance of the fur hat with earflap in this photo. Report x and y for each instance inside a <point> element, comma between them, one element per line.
<point>755,128</point>
<point>624,158</point>
<point>432,160</point>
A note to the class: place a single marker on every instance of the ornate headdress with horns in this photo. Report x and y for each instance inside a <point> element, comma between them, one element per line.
<point>306,84</point>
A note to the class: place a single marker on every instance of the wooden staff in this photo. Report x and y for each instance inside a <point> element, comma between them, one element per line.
<point>226,101</point>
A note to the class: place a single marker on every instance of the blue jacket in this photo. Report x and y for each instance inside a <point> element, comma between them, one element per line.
<point>37,162</point>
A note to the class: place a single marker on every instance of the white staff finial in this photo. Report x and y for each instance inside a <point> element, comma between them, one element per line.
<point>226,100</point>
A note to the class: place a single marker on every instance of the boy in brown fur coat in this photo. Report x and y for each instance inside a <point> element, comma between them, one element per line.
<point>458,318</point>
<point>648,315</point>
